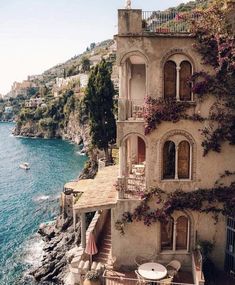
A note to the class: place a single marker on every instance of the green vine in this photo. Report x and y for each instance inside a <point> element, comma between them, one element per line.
<point>219,200</point>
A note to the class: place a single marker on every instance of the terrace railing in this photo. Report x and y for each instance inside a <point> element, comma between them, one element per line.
<point>169,21</point>
<point>131,187</point>
<point>119,280</point>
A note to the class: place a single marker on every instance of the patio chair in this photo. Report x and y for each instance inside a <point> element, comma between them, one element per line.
<point>166,281</point>
<point>173,267</point>
<point>141,279</point>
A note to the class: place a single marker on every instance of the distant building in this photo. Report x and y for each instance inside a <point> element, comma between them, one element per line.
<point>95,59</point>
<point>21,88</point>
<point>115,77</point>
<point>61,83</point>
<point>34,102</point>
<point>8,110</point>
<point>35,77</point>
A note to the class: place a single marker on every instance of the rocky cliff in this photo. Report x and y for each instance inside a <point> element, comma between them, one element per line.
<point>73,131</point>
<point>77,132</point>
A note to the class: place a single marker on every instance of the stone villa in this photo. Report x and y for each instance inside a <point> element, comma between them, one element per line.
<point>155,62</point>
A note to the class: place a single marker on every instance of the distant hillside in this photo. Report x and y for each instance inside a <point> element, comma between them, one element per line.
<point>73,65</point>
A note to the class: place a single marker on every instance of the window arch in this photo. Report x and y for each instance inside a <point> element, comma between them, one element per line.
<point>175,233</point>
<point>177,71</point>
<point>177,159</point>
<point>170,80</point>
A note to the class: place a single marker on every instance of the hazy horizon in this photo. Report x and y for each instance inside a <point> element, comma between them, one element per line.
<point>37,35</point>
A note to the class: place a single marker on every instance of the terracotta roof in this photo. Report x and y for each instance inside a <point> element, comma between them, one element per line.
<point>98,193</point>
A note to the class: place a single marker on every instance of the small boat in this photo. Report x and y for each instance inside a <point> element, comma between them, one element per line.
<point>25,166</point>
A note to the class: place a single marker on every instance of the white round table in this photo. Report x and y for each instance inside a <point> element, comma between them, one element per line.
<point>152,271</point>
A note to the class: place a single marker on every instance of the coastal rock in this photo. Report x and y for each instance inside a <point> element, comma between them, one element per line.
<point>47,231</point>
<point>60,241</point>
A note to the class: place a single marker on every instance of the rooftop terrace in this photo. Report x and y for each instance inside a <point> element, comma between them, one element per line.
<point>97,193</point>
<point>168,21</point>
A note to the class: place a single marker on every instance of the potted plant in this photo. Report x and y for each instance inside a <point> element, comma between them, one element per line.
<point>92,278</point>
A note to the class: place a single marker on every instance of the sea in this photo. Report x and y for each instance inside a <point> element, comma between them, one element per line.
<point>29,198</point>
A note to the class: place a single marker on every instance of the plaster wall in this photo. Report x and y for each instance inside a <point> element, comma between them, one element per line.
<point>155,50</point>
<point>143,240</point>
<point>138,83</point>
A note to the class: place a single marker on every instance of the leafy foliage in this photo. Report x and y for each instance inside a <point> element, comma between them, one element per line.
<point>217,200</point>
<point>158,110</point>
<point>216,44</point>
<point>52,117</point>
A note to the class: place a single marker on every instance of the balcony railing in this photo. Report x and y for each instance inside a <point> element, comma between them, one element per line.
<point>169,21</point>
<point>131,187</point>
<point>119,280</point>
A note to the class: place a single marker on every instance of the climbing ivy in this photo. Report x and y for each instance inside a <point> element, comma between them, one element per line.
<point>216,44</point>
<point>218,200</point>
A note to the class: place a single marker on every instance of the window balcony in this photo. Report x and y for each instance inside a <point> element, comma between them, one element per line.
<point>130,110</point>
<point>131,187</point>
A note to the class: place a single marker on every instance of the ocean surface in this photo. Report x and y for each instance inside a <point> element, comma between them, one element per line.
<point>28,198</point>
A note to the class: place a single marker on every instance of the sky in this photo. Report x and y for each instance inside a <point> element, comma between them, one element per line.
<point>38,34</point>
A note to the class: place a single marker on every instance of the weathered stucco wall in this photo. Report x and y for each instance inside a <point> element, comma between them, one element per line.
<point>155,50</point>
<point>205,169</point>
<point>140,239</point>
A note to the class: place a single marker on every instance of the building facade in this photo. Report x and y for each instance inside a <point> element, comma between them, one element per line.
<point>158,64</point>
<point>155,62</point>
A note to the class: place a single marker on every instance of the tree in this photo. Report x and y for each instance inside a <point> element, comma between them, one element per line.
<point>99,106</point>
<point>85,62</point>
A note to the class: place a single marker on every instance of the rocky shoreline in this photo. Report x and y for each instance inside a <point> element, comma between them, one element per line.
<point>61,241</point>
<point>60,238</point>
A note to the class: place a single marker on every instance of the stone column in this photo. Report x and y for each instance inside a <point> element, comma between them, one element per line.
<point>174,236</point>
<point>121,189</point>
<point>122,159</point>
<point>83,230</point>
<point>176,162</point>
<point>178,83</point>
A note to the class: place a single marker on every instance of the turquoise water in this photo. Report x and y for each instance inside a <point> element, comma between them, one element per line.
<point>28,198</point>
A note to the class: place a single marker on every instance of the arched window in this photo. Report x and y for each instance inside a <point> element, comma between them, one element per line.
<point>183,160</point>
<point>177,72</point>
<point>170,79</point>
<point>185,74</point>
<point>167,230</point>
<point>182,233</point>
<point>169,160</point>
<point>176,159</point>
<point>175,234</point>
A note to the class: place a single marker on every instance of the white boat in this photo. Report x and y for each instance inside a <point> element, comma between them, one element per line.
<point>25,166</point>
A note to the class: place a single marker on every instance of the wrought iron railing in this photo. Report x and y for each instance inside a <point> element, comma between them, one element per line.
<point>169,21</point>
<point>109,278</point>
